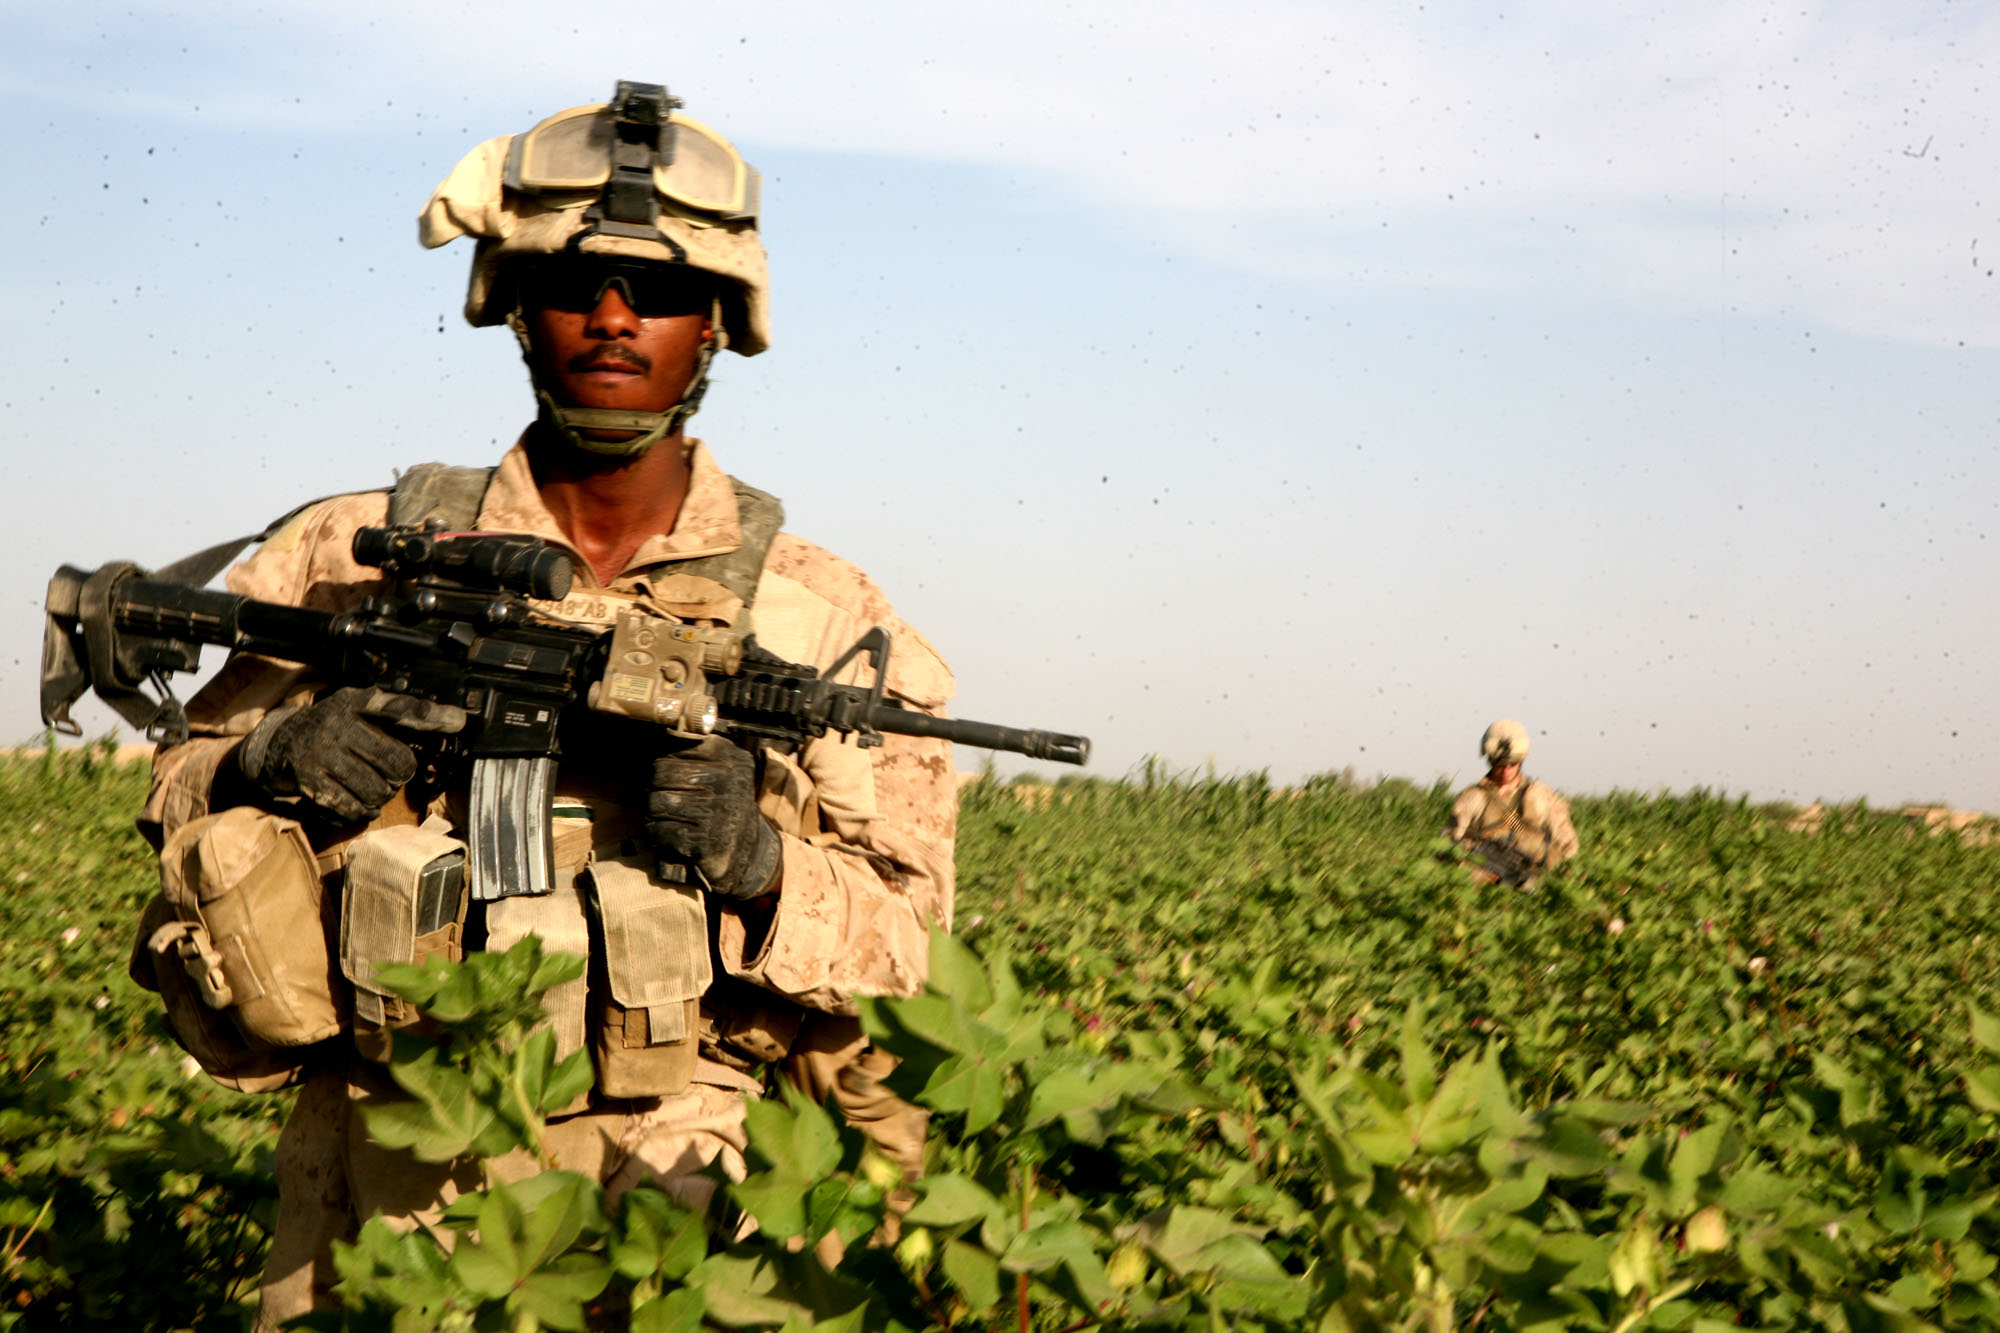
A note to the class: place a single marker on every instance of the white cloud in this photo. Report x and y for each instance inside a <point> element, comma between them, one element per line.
<point>1825,161</point>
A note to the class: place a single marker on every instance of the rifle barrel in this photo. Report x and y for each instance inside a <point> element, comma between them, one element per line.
<point>1051,745</point>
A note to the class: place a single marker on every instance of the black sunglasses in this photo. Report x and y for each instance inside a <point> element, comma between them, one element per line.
<point>578,284</point>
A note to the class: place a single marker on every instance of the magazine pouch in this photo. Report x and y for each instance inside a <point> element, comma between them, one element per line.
<point>654,947</point>
<point>404,902</point>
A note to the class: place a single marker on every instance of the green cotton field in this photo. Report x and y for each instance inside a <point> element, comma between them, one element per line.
<point>1213,1055</point>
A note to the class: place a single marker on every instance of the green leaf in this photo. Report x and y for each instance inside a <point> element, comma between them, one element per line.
<point>1609,1112</point>
<point>1045,1245</point>
<point>950,1200</point>
<point>532,1063</point>
<point>1388,1140</point>
<point>851,1322</point>
<point>951,1085</point>
<point>1569,1148</point>
<point>796,1137</point>
<point>1635,1262</point>
<point>1247,1277</point>
<point>550,970</point>
<point>1200,1241</point>
<point>1985,1029</point>
<point>1061,1092</point>
<point>1177,1235</point>
<point>555,1208</point>
<point>1509,1195</point>
<point>656,1236</point>
<point>430,1134</point>
<point>1900,1211</point>
<point>678,1311</point>
<point>989,1097</point>
<point>556,1292</point>
<point>397,1269</point>
<point>1982,1088</point>
<point>1951,1219</point>
<point>1693,1159</point>
<point>777,1201</point>
<point>1912,1291</point>
<point>1754,1190</point>
<point>489,1265</point>
<point>1507,1244</point>
<point>956,972</point>
<point>742,1290</point>
<point>1419,1070</point>
<point>1672,1315</point>
<point>847,1208</point>
<point>569,1080</point>
<point>446,1118</point>
<point>939,1022</point>
<point>974,1272</point>
<point>418,983</point>
<point>1585,1259</point>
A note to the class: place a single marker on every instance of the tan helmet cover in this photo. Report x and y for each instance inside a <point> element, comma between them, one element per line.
<point>1505,742</point>
<point>476,201</point>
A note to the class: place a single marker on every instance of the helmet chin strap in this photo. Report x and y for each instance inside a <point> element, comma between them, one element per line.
<point>650,428</point>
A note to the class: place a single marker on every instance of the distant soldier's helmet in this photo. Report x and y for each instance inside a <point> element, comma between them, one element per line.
<point>1505,742</point>
<point>632,179</point>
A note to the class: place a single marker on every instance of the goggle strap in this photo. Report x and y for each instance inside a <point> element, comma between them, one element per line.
<point>640,133</point>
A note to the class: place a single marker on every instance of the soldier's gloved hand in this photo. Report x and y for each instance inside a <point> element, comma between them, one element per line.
<point>703,810</point>
<point>333,754</point>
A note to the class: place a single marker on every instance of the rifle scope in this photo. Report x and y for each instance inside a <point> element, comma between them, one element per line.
<point>490,562</point>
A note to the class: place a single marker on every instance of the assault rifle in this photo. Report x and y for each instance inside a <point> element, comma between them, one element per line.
<point>460,628</point>
<point>1506,863</point>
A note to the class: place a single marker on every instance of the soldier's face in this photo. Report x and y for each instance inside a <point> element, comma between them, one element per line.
<point>1505,773</point>
<point>613,345</point>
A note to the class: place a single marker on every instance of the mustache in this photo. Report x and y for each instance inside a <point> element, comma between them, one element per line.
<point>597,358</point>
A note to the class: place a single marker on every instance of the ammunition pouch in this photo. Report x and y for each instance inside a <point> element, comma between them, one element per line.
<point>655,966</point>
<point>403,901</point>
<point>636,1007</point>
<point>236,946</point>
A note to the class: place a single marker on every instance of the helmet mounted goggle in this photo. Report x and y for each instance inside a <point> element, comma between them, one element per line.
<point>619,162</point>
<point>630,155</point>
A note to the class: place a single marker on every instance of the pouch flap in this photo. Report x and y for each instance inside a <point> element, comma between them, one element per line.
<point>386,893</point>
<point>655,941</point>
<point>208,857</point>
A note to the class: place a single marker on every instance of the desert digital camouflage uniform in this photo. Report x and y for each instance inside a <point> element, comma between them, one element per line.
<point>867,849</point>
<point>1521,826</point>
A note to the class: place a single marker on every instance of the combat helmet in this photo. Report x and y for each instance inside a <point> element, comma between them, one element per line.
<point>631,179</point>
<point>1505,742</point>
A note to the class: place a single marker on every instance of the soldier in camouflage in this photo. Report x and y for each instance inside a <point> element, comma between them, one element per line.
<point>619,244</point>
<point>1514,826</point>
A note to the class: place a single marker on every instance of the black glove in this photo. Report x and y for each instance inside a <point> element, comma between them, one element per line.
<point>332,754</point>
<point>703,810</point>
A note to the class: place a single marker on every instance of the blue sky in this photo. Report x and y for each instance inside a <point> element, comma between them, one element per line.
<point>1267,385</point>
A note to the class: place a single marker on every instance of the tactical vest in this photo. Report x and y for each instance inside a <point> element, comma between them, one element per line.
<point>453,496</point>
<point>224,947</point>
<point>1501,824</point>
<point>637,1007</point>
